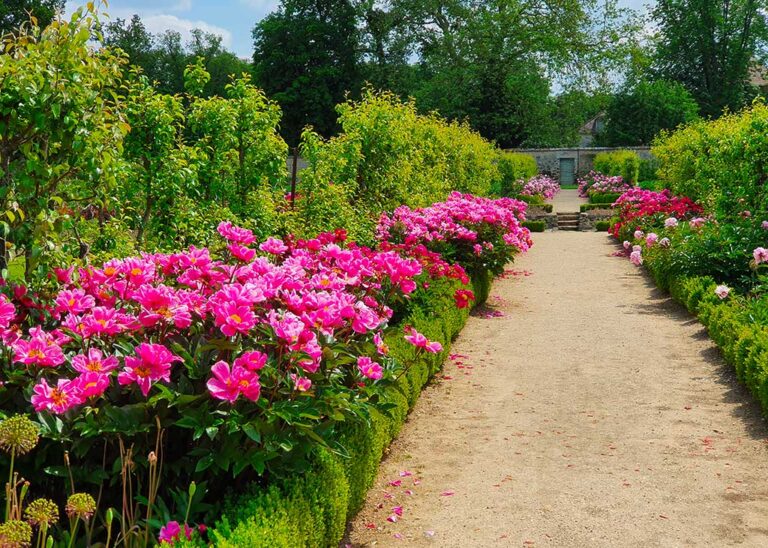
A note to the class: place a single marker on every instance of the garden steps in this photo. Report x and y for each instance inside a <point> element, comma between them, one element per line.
<point>590,410</point>
<point>567,221</point>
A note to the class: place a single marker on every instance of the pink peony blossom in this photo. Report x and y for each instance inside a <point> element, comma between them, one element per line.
<point>463,298</point>
<point>636,257</point>
<point>39,350</point>
<point>152,364</point>
<point>665,242</point>
<point>369,368</point>
<point>671,222</point>
<point>639,234</point>
<point>91,385</point>
<point>235,234</point>
<point>761,255</point>
<point>171,532</point>
<point>252,360</point>
<point>229,383</point>
<point>651,239</point>
<point>274,246</point>
<point>302,384</point>
<point>722,291</point>
<point>57,399</point>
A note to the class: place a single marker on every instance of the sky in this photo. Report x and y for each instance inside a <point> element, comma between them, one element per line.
<point>233,20</point>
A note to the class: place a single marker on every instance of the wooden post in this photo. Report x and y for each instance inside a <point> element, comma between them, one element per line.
<point>294,167</point>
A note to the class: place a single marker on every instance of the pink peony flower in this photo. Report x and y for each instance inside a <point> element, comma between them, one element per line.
<point>369,368</point>
<point>94,362</point>
<point>229,383</point>
<point>671,222</point>
<point>651,239</point>
<point>74,301</point>
<point>152,364</point>
<point>39,350</point>
<point>665,242</point>
<point>381,346</point>
<point>697,222</point>
<point>761,255</point>
<point>242,253</point>
<point>171,532</point>
<point>91,385</point>
<point>236,234</point>
<point>627,244</point>
<point>234,318</point>
<point>252,360</point>
<point>302,384</point>
<point>764,224</point>
<point>722,291</point>
<point>58,399</point>
<point>639,234</point>
<point>273,246</point>
<point>636,257</point>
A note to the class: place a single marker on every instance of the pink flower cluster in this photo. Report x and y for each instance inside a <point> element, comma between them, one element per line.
<point>128,320</point>
<point>597,182</point>
<point>459,218</point>
<point>541,185</point>
<point>637,204</point>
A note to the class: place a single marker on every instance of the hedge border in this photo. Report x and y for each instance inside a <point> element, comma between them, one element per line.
<point>535,226</point>
<point>313,509</point>
<point>742,343</point>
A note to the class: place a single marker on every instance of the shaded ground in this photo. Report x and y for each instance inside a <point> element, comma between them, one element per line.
<point>590,411</point>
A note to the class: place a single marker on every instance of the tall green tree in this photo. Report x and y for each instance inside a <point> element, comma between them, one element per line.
<point>13,13</point>
<point>637,114</point>
<point>306,58</point>
<point>709,47</point>
<point>494,63</point>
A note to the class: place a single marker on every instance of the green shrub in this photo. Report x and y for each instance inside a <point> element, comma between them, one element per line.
<point>602,226</point>
<point>606,198</point>
<point>620,162</point>
<point>535,226</point>
<point>589,207</point>
<point>719,163</point>
<point>312,509</point>
<point>514,169</point>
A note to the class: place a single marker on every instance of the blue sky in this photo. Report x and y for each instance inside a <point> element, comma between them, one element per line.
<point>231,19</point>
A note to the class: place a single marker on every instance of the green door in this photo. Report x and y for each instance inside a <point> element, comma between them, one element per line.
<point>567,171</point>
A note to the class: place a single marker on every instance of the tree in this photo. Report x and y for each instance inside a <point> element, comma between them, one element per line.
<point>636,115</point>
<point>61,131</point>
<point>306,59</point>
<point>499,59</point>
<point>709,47</point>
<point>14,13</point>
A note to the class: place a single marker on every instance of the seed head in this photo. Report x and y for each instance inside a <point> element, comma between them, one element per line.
<point>81,505</point>
<point>42,511</point>
<point>15,533</point>
<point>19,434</point>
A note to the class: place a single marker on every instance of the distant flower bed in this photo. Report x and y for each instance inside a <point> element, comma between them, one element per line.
<point>541,185</point>
<point>595,182</point>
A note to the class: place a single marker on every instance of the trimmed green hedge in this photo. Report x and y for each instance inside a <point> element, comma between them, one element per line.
<point>312,510</point>
<point>589,207</point>
<point>514,168</point>
<point>619,162</point>
<point>603,197</point>
<point>731,325</point>
<point>602,226</point>
<point>535,226</point>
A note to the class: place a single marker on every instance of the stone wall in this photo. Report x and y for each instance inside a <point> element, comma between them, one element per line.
<point>548,159</point>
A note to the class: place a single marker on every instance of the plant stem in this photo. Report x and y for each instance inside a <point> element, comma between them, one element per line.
<point>74,532</point>
<point>8,488</point>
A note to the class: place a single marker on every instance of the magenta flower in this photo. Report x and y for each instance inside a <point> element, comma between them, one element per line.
<point>463,298</point>
<point>171,532</point>
<point>273,246</point>
<point>91,385</point>
<point>420,341</point>
<point>369,368</point>
<point>241,253</point>
<point>229,383</point>
<point>234,318</point>
<point>302,384</point>
<point>74,301</point>
<point>58,399</point>
<point>152,364</point>
<point>102,321</point>
<point>40,350</point>
<point>7,312</point>
<point>236,234</point>
<point>94,362</point>
<point>252,360</point>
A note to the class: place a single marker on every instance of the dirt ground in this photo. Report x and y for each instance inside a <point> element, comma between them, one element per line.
<point>590,411</point>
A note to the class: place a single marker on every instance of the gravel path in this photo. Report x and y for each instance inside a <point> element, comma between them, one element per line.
<point>567,201</point>
<point>590,411</point>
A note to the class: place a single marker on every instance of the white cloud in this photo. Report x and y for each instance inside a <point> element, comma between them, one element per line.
<point>158,23</point>
<point>261,6</point>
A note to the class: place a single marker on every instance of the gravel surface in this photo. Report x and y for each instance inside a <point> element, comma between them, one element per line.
<point>567,201</point>
<point>590,411</point>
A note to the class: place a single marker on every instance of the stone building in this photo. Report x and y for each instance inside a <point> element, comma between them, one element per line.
<point>566,164</point>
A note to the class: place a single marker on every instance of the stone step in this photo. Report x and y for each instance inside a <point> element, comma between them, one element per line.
<point>567,215</point>
<point>568,228</point>
<point>574,222</point>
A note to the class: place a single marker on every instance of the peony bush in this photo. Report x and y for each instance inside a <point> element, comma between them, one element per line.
<point>541,185</point>
<point>596,182</point>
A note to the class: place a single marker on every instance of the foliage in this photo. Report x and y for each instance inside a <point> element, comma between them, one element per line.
<point>719,163</point>
<point>61,131</point>
<point>16,13</point>
<point>163,57</point>
<point>535,226</point>
<point>602,226</point>
<point>596,182</point>
<point>541,185</point>
<point>636,115</point>
<point>514,169</point>
<point>305,58</point>
<point>709,46</point>
<point>387,155</point>
<point>603,198</point>
<point>312,509</point>
<point>624,163</point>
